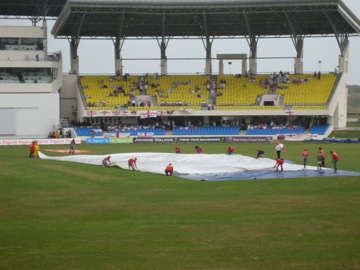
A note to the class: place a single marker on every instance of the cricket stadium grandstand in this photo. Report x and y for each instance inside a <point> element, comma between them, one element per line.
<point>37,97</point>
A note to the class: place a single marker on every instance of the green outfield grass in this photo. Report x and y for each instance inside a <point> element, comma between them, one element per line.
<point>63,215</point>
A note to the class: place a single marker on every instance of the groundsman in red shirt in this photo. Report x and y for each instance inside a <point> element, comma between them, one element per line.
<point>279,163</point>
<point>305,155</point>
<point>230,150</point>
<point>169,170</point>
<point>132,163</point>
<point>335,159</point>
<point>322,152</point>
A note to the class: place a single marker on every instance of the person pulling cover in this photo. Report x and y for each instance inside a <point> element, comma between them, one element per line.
<point>279,163</point>
<point>260,153</point>
<point>230,150</point>
<point>106,161</point>
<point>169,170</point>
<point>132,164</point>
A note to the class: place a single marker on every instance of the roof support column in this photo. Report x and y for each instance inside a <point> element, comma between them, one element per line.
<point>74,44</point>
<point>340,114</point>
<point>208,66</point>
<point>343,42</point>
<point>118,61</point>
<point>298,41</point>
<point>252,41</point>
<point>207,45</point>
<point>221,67</point>
<point>74,59</point>
<point>163,58</point>
<point>163,63</point>
<point>118,43</point>
<point>163,44</point>
<point>45,28</point>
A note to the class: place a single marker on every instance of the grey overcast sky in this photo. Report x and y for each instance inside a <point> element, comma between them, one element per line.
<point>97,56</point>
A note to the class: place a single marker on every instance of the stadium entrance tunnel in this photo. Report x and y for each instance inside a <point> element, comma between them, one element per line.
<point>206,167</point>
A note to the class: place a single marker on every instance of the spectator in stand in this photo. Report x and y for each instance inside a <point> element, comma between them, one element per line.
<point>132,163</point>
<point>305,155</point>
<point>106,161</point>
<point>177,150</point>
<point>230,150</point>
<point>169,170</point>
<point>335,159</point>
<point>260,153</point>
<point>279,163</point>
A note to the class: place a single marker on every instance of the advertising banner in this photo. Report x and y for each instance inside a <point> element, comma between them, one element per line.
<point>97,141</point>
<point>153,140</point>
<point>249,139</point>
<point>121,140</point>
<point>39,141</point>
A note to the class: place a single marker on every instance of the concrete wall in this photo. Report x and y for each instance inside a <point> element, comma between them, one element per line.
<point>338,104</point>
<point>22,32</point>
<point>68,98</point>
<point>29,115</point>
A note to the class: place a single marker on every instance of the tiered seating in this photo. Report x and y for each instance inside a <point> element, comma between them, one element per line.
<point>180,88</point>
<point>86,131</point>
<point>138,132</point>
<point>36,77</point>
<point>251,107</point>
<point>6,78</point>
<point>12,47</point>
<point>27,77</point>
<point>275,131</point>
<point>239,91</point>
<point>207,130</point>
<point>175,91</point>
<point>319,129</point>
<point>28,47</point>
<point>94,91</point>
<point>311,93</point>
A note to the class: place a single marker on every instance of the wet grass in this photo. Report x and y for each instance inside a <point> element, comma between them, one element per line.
<point>62,215</point>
